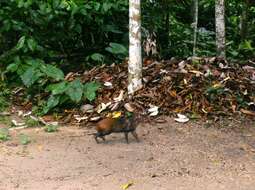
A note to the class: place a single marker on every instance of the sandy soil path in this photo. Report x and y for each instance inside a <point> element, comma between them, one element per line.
<point>170,156</point>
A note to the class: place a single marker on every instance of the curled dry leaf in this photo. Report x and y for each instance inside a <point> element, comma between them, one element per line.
<point>102,107</point>
<point>17,124</point>
<point>54,123</point>
<point>198,73</point>
<point>153,110</point>
<point>20,113</point>
<point>115,106</point>
<point>181,118</point>
<point>87,108</point>
<point>95,118</point>
<point>163,71</point>
<point>248,112</point>
<point>126,186</point>
<point>116,114</point>
<point>33,118</point>
<point>27,114</point>
<point>18,128</point>
<point>71,76</point>
<point>46,121</point>
<point>42,120</point>
<point>79,118</point>
<point>108,84</point>
<point>120,97</point>
<point>182,64</point>
<point>128,107</point>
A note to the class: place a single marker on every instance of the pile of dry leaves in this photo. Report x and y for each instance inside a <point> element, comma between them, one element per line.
<point>195,87</point>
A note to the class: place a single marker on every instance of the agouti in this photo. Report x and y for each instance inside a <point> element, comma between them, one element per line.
<point>122,124</point>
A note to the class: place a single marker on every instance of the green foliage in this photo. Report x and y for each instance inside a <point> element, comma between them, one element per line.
<point>73,91</point>
<point>24,139</point>
<point>4,134</point>
<point>117,49</point>
<point>33,70</point>
<point>47,29</point>
<point>41,41</point>
<point>51,103</point>
<point>90,90</point>
<point>97,57</point>
<point>5,120</point>
<point>171,20</point>
<point>4,97</point>
<point>51,128</point>
<point>32,122</point>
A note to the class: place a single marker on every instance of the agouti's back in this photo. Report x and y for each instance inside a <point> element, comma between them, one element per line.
<point>105,125</point>
<point>116,125</point>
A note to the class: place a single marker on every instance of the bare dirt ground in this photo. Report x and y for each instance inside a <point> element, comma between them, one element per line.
<point>170,156</point>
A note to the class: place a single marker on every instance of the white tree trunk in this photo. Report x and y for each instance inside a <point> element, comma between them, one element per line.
<point>220,27</point>
<point>135,52</point>
<point>194,24</point>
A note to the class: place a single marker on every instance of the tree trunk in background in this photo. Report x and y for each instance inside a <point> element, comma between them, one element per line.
<point>135,52</point>
<point>244,20</point>
<point>194,24</point>
<point>220,28</point>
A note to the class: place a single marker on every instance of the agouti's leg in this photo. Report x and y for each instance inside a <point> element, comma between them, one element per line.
<point>99,135</point>
<point>96,135</point>
<point>126,137</point>
<point>135,135</point>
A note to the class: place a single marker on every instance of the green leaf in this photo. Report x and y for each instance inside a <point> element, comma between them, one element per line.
<point>31,44</point>
<point>116,48</point>
<point>51,103</point>
<point>96,6</point>
<point>58,88</point>
<point>56,4</point>
<point>30,76</point>
<point>75,90</point>
<point>246,45</point>
<point>32,122</point>
<point>21,3</point>
<point>97,57</point>
<point>12,67</point>
<point>53,72</point>
<point>35,63</point>
<point>24,139</point>
<point>4,134</point>
<point>21,43</point>
<point>51,128</point>
<point>90,90</point>
<point>74,8</point>
<point>106,6</point>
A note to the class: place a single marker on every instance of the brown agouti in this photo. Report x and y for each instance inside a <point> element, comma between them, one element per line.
<point>122,124</point>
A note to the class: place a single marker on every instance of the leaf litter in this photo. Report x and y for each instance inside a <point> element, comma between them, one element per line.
<point>192,88</point>
<point>200,86</point>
